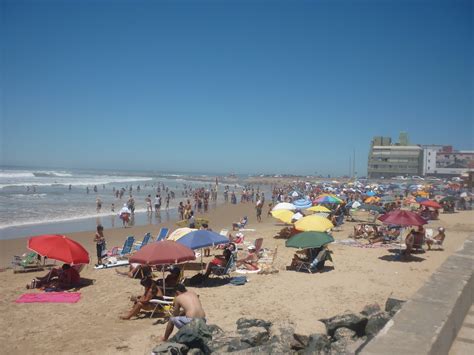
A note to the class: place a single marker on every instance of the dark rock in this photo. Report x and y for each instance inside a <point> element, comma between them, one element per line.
<point>237,344</point>
<point>195,334</point>
<point>226,344</point>
<point>195,352</point>
<point>339,347</point>
<point>244,323</point>
<point>371,309</point>
<point>318,344</point>
<point>170,348</point>
<point>356,322</point>
<point>344,333</point>
<point>299,342</point>
<point>282,334</point>
<point>376,323</point>
<point>254,336</point>
<point>215,329</point>
<point>393,305</point>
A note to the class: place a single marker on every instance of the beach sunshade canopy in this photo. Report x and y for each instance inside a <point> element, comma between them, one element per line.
<point>59,247</point>
<point>319,209</point>
<point>166,252</point>
<point>307,240</point>
<point>430,203</point>
<point>402,218</point>
<point>283,215</point>
<point>178,233</point>
<point>284,206</point>
<point>302,203</point>
<point>313,223</point>
<point>202,239</point>
<point>370,193</point>
<point>328,199</point>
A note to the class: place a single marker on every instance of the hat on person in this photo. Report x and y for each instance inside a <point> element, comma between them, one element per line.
<point>251,247</point>
<point>441,229</point>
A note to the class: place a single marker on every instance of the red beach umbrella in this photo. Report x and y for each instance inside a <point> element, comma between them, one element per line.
<point>430,203</point>
<point>402,218</point>
<point>59,247</point>
<point>165,252</point>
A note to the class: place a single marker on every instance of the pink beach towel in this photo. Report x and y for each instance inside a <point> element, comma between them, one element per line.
<point>50,297</point>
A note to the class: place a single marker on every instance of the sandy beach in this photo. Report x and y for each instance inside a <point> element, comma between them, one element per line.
<point>360,276</point>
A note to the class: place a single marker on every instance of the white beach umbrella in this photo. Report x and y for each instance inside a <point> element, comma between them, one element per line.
<point>297,216</point>
<point>284,206</point>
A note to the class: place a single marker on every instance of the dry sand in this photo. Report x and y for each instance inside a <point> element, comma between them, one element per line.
<point>360,276</point>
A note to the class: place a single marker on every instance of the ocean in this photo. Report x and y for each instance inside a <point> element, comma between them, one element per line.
<point>37,201</point>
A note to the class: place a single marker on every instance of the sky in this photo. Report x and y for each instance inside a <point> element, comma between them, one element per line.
<point>289,87</point>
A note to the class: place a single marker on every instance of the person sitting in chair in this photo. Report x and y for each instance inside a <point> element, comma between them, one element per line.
<point>220,260</point>
<point>143,302</point>
<point>250,262</point>
<point>171,280</point>
<point>437,239</point>
<point>411,237</point>
<point>64,279</point>
<point>136,271</point>
<point>241,224</point>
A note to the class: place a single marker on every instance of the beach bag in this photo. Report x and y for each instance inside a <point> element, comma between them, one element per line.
<point>238,280</point>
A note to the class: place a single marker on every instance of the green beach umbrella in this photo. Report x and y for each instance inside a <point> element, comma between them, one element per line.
<point>448,199</point>
<point>307,240</point>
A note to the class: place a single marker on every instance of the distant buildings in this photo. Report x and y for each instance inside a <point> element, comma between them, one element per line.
<point>439,160</point>
<point>402,159</point>
<point>390,160</point>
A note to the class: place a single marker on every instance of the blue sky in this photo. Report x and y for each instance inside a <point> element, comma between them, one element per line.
<point>231,86</point>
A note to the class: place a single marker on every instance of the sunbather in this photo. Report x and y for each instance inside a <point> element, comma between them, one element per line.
<point>64,278</point>
<point>136,271</point>
<point>171,280</point>
<point>410,239</point>
<point>250,262</point>
<point>241,224</point>
<point>143,302</point>
<point>437,239</point>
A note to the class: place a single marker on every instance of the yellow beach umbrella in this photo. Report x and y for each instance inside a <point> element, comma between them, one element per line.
<point>372,199</point>
<point>319,209</point>
<point>283,215</point>
<point>313,223</point>
<point>180,232</point>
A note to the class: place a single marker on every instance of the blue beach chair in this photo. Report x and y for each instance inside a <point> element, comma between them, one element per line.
<point>145,241</point>
<point>127,246</point>
<point>162,235</point>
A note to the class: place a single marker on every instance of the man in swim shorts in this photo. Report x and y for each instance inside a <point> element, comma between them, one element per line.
<point>187,306</point>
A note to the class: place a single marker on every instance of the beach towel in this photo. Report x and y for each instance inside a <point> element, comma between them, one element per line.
<point>50,297</point>
<point>245,271</point>
<point>238,280</point>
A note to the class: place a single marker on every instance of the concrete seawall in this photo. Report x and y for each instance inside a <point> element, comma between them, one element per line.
<point>429,321</point>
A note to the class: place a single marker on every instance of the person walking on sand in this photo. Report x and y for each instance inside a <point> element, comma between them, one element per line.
<point>187,306</point>
<point>258,208</point>
<point>99,240</point>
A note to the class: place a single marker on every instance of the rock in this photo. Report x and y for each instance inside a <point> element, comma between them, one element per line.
<point>393,305</point>
<point>318,344</point>
<point>195,352</point>
<point>339,347</point>
<point>226,344</point>
<point>237,344</point>
<point>371,309</point>
<point>344,333</point>
<point>299,342</point>
<point>254,336</point>
<point>376,323</point>
<point>170,348</point>
<point>282,333</point>
<point>356,322</point>
<point>195,334</point>
<point>244,323</point>
<point>214,329</point>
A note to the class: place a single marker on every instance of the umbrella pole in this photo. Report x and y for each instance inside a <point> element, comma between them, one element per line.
<point>201,258</point>
<point>164,286</point>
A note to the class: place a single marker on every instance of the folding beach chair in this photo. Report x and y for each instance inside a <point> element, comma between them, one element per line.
<point>224,270</point>
<point>146,239</point>
<point>127,246</point>
<point>164,306</point>
<point>27,263</point>
<point>162,235</point>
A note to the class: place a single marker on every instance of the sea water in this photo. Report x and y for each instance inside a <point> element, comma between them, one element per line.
<point>36,201</point>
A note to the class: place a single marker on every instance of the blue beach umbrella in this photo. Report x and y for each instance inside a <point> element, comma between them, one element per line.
<point>370,193</point>
<point>202,239</point>
<point>302,203</point>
